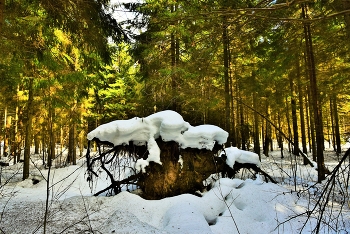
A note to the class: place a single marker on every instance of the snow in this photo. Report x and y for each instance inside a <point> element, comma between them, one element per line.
<point>169,125</point>
<point>166,124</point>
<point>247,205</point>
<point>234,154</point>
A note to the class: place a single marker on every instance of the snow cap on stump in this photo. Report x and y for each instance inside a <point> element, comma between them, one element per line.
<point>169,125</point>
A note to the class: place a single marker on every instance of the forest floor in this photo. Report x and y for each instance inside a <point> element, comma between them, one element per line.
<point>297,204</point>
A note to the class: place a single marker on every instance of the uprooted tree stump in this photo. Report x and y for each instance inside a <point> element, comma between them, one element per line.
<point>162,154</point>
<point>182,170</point>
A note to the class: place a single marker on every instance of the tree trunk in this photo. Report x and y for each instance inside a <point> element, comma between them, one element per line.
<point>16,139</point>
<point>267,138</point>
<point>36,144</point>
<point>2,15</point>
<point>294,118</point>
<point>280,137</point>
<point>52,141</point>
<point>74,162</point>
<point>316,104</point>
<point>225,44</point>
<point>288,125</point>
<point>312,130</point>
<point>7,141</point>
<point>174,50</point>
<point>233,138</point>
<point>43,144</point>
<point>70,145</point>
<point>5,133</point>
<point>173,75</point>
<point>336,122</point>
<point>301,110</point>
<point>28,133</point>
<point>243,129</point>
<point>256,127</point>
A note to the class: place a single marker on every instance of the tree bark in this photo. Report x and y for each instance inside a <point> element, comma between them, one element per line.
<point>279,135</point>
<point>52,141</point>
<point>301,110</point>
<point>5,133</point>
<point>243,129</point>
<point>72,155</point>
<point>225,44</point>
<point>336,122</point>
<point>233,132</point>
<point>28,135</point>
<point>294,118</point>
<point>70,144</point>
<point>288,125</point>
<point>174,51</point>
<point>316,104</point>
<point>267,137</point>
<point>36,144</point>
<point>256,127</point>
<point>2,15</point>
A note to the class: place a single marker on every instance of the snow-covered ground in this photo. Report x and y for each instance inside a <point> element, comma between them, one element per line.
<point>246,205</point>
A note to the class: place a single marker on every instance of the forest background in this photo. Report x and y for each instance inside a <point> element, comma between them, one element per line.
<point>265,71</point>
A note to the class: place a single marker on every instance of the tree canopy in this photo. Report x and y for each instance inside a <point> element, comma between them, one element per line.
<point>262,70</point>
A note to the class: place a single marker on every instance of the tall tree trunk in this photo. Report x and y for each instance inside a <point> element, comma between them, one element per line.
<point>74,161</point>
<point>225,43</point>
<point>43,143</point>
<point>28,132</point>
<point>233,122</point>
<point>52,141</point>
<point>267,138</point>
<point>238,116</point>
<point>294,118</point>
<point>243,129</point>
<point>280,137</point>
<point>332,124</point>
<point>2,15</point>
<point>336,122</point>
<point>5,133</point>
<point>36,144</point>
<point>16,151</point>
<point>7,141</point>
<point>174,51</point>
<point>256,126</point>
<point>301,110</point>
<point>72,154</point>
<point>288,125</point>
<point>312,137</point>
<point>70,144</point>
<point>173,75</point>
<point>316,104</point>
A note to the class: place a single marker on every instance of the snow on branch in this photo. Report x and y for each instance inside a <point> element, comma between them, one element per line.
<point>233,155</point>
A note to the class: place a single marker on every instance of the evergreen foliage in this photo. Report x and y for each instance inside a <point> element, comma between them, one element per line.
<point>240,65</point>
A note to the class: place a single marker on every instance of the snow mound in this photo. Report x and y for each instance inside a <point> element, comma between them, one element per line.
<point>120,222</point>
<point>183,217</point>
<point>234,154</point>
